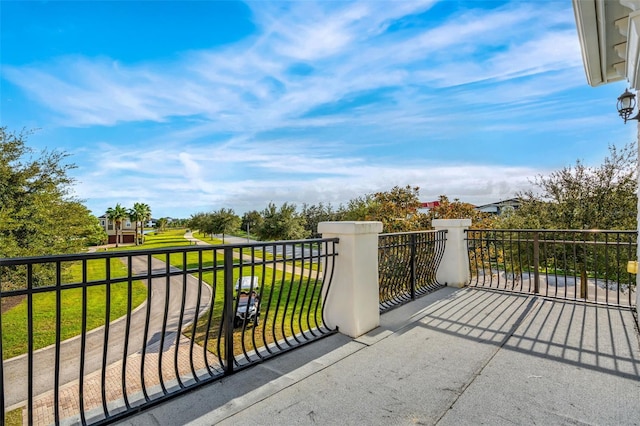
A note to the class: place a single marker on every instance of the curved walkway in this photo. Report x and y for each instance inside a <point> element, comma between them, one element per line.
<point>120,334</point>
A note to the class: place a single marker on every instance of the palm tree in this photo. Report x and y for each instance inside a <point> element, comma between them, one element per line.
<point>117,214</point>
<point>145,216</point>
<point>161,224</point>
<point>135,218</point>
<point>139,214</point>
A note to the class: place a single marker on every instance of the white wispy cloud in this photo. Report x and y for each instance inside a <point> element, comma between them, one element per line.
<point>295,111</point>
<point>248,86</point>
<point>246,178</point>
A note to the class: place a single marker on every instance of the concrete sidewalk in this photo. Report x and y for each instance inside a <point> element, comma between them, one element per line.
<point>453,357</point>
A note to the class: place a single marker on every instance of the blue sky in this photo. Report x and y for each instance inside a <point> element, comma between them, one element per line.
<point>194,106</point>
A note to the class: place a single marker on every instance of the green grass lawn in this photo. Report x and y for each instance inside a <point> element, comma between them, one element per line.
<point>284,316</point>
<point>283,319</point>
<point>13,418</point>
<point>14,321</point>
<point>280,287</point>
<point>207,238</point>
<point>287,307</point>
<point>154,240</point>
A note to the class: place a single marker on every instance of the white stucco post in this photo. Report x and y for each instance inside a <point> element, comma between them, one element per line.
<point>352,302</point>
<point>454,268</point>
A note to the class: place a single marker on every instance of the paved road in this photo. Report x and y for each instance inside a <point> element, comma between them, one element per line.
<point>552,285</point>
<point>15,369</point>
<point>289,249</point>
<point>286,267</point>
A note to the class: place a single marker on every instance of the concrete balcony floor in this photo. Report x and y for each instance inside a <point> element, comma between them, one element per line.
<point>454,357</point>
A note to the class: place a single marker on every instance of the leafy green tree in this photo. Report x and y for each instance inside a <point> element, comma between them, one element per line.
<point>117,214</point>
<point>84,225</point>
<point>356,209</point>
<point>316,213</point>
<point>38,216</point>
<point>579,197</point>
<point>225,221</point>
<point>582,197</point>
<point>251,221</point>
<point>397,209</point>
<point>197,221</point>
<point>284,223</point>
<point>457,209</point>
<point>179,223</point>
<point>161,224</point>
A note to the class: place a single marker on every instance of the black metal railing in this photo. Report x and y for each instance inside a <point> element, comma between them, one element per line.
<point>91,338</point>
<point>407,265</point>
<point>585,265</point>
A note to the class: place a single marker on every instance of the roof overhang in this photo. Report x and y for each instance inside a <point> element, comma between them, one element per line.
<point>609,33</point>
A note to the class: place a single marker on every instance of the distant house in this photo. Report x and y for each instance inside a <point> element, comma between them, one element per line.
<point>499,206</point>
<point>127,230</point>
<point>429,204</point>
<point>492,208</point>
<point>152,223</point>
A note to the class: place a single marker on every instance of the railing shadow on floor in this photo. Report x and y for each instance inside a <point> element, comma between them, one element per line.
<point>594,337</point>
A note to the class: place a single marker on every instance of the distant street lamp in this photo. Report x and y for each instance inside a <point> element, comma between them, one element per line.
<point>626,105</point>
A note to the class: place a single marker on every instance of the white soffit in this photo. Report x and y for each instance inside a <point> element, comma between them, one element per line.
<point>588,34</point>
<point>633,49</point>
<point>603,27</point>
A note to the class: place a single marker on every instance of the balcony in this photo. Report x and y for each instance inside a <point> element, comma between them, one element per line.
<point>456,356</point>
<point>511,348</point>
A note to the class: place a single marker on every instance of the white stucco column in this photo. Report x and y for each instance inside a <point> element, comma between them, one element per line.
<point>352,303</point>
<point>454,268</point>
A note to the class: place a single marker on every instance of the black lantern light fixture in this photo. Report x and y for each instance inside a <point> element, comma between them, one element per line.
<point>626,105</point>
